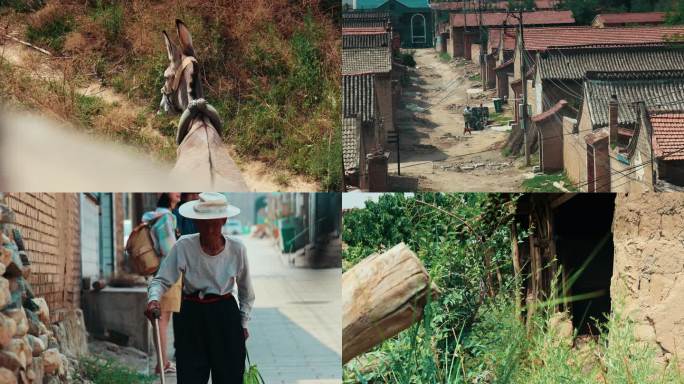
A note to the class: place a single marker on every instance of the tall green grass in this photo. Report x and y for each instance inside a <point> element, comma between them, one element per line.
<point>51,34</point>
<point>107,371</point>
<point>111,17</point>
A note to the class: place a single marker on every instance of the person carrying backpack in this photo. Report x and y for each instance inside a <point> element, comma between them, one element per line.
<point>163,233</point>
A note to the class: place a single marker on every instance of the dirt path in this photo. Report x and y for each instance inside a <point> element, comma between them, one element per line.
<point>257,175</point>
<point>434,149</point>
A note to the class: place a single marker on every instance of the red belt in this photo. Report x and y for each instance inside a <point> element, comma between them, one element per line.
<point>207,299</point>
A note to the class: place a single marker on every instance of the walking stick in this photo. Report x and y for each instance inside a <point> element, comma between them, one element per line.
<point>155,325</point>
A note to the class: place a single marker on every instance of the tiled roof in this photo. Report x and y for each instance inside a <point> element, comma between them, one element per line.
<point>661,90</point>
<point>358,97</point>
<point>350,143</point>
<point>365,19</point>
<point>366,40</point>
<point>630,17</point>
<point>549,112</point>
<point>504,18</point>
<point>573,63</point>
<point>498,5</point>
<point>495,38</point>
<point>363,31</point>
<point>668,134</point>
<point>538,39</point>
<point>366,60</point>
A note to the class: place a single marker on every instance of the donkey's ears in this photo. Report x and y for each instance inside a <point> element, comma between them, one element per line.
<point>185,39</point>
<point>171,49</point>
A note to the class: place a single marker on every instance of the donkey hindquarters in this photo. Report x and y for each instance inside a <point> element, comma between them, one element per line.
<point>203,157</point>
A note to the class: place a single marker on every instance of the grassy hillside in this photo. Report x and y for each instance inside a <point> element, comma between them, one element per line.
<point>271,67</point>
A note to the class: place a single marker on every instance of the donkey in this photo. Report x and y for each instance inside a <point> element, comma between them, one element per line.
<point>200,150</point>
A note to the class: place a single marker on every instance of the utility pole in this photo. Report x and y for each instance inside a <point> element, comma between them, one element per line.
<point>523,72</point>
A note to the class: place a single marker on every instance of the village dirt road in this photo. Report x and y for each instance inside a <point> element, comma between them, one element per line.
<point>257,175</point>
<point>434,149</point>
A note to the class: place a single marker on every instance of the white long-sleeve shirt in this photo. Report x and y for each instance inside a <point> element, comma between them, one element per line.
<point>227,272</point>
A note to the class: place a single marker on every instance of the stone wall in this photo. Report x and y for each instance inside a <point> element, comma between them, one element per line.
<point>49,224</point>
<point>648,233</point>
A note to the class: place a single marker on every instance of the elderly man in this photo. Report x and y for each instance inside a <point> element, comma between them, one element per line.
<point>211,328</point>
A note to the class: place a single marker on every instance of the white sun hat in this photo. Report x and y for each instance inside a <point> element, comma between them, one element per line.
<point>211,205</point>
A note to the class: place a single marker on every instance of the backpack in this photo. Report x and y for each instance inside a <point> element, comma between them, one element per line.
<point>142,255</point>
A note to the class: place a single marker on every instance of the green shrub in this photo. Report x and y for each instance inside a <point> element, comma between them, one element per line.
<point>107,371</point>
<point>445,57</point>
<point>406,58</point>
<point>111,17</point>
<point>23,5</point>
<point>87,107</point>
<point>52,33</point>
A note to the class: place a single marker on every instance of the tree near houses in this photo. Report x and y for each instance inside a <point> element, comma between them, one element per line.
<point>676,15</point>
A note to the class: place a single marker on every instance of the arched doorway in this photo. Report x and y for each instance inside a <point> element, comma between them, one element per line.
<point>418,29</point>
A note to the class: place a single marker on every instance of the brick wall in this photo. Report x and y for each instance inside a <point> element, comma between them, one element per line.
<point>50,226</point>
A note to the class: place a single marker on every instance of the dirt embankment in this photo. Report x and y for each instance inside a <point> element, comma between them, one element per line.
<point>434,148</point>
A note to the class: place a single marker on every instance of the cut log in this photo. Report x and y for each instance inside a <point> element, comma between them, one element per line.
<point>381,296</point>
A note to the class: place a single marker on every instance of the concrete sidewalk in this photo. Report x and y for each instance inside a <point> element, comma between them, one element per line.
<point>296,325</point>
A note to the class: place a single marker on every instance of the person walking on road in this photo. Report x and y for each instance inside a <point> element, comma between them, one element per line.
<point>211,328</point>
<point>467,115</point>
<point>163,230</point>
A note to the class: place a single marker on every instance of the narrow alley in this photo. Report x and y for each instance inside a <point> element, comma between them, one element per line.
<point>434,148</point>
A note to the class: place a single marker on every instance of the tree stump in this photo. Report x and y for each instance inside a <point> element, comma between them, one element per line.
<point>381,296</point>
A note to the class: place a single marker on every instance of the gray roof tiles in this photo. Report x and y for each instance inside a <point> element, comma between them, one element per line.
<point>660,90</point>
<point>366,60</point>
<point>350,143</point>
<point>572,64</point>
<point>374,40</point>
<point>358,97</point>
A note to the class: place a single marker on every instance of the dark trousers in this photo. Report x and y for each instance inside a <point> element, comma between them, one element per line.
<point>209,338</point>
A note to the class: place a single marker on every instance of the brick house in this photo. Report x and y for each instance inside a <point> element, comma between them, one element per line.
<point>625,19</point>
<point>368,99</point>
<point>610,146</point>
<point>464,29</point>
<point>540,40</point>
<point>443,10</point>
<point>561,70</point>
